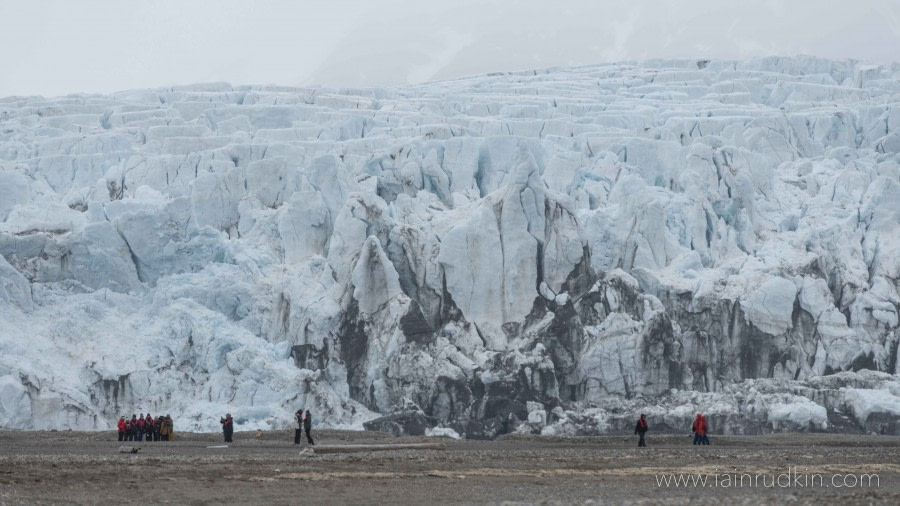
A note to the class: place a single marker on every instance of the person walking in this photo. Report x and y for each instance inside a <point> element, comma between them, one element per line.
<point>121,427</point>
<point>227,427</point>
<point>298,426</point>
<point>640,429</point>
<point>307,426</point>
<point>699,429</point>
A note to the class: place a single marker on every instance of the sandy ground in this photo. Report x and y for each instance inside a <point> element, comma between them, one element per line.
<point>86,468</point>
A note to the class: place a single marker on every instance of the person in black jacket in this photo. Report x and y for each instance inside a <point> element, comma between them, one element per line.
<point>307,425</point>
<point>298,426</point>
<point>227,427</point>
<point>150,428</point>
<point>641,428</point>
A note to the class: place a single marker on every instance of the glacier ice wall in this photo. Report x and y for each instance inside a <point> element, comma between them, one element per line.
<point>471,248</point>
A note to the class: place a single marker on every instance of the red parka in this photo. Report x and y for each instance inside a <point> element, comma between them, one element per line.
<point>700,425</point>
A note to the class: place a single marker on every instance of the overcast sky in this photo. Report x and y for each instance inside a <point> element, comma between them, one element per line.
<point>65,46</point>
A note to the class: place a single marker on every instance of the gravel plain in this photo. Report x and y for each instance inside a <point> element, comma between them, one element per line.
<point>87,468</point>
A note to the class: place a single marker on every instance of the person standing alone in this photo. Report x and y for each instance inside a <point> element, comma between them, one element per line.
<point>307,426</point>
<point>298,426</point>
<point>227,427</point>
<point>641,428</point>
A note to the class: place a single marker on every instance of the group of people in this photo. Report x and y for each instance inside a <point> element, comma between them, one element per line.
<point>302,422</point>
<point>698,428</point>
<point>146,428</point>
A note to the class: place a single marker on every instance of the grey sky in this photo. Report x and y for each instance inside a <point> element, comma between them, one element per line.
<point>58,47</point>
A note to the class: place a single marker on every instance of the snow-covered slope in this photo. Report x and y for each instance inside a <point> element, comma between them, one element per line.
<point>517,246</point>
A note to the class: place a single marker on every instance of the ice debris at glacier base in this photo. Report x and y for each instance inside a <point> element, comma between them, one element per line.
<point>493,251</point>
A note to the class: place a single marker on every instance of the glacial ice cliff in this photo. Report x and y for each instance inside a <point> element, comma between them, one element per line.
<point>515,251</point>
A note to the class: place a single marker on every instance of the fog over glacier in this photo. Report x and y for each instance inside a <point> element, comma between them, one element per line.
<point>55,47</point>
<point>543,251</point>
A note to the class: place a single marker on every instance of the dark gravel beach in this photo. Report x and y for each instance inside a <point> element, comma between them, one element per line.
<point>87,468</point>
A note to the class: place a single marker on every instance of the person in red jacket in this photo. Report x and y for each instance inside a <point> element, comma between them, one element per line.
<point>121,428</point>
<point>699,429</point>
<point>139,428</point>
<point>641,428</point>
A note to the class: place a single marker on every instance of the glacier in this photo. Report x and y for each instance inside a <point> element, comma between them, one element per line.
<point>548,251</point>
